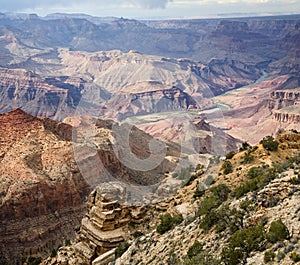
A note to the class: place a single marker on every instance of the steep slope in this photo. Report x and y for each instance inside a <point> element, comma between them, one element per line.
<point>53,97</point>
<point>243,213</point>
<point>47,170</point>
<point>42,191</point>
<point>211,140</point>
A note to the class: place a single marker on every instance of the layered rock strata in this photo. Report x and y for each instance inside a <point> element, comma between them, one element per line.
<point>42,191</point>
<point>286,105</point>
<point>105,224</point>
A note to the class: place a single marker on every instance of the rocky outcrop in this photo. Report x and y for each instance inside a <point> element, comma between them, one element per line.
<point>105,224</point>
<point>287,117</point>
<point>286,105</point>
<point>208,139</point>
<point>42,191</point>
<point>285,98</point>
<point>147,102</point>
<point>199,239</point>
<point>103,228</point>
<point>55,97</point>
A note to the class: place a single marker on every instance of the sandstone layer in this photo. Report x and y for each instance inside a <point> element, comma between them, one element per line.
<point>42,191</point>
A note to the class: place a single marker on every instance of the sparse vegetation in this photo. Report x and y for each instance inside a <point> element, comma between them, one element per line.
<point>269,143</point>
<point>277,232</point>
<point>220,191</point>
<point>227,167</point>
<point>244,146</point>
<point>197,256</point>
<point>248,157</point>
<point>230,155</point>
<point>242,243</point>
<point>208,203</point>
<point>121,249</point>
<point>295,180</point>
<point>260,177</point>
<point>269,256</point>
<point>167,222</point>
<point>195,249</point>
<point>255,172</point>
<point>295,257</point>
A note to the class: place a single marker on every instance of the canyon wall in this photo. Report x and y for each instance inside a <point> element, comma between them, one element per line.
<point>286,105</point>
<point>42,192</point>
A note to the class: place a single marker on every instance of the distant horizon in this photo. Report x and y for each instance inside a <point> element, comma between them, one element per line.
<point>155,9</point>
<point>211,16</point>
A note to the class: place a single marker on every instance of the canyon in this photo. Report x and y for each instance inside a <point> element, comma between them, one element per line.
<point>108,124</point>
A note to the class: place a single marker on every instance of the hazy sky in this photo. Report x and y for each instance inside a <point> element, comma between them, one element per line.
<point>151,8</point>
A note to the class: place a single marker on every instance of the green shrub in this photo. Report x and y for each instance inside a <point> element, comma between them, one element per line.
<point>230,155</point>
<point>255,172</point>
<point>295,180</point>
<point>195,249</point>
<point>269,143</point>
<point>269,256</point>
<point>208,204</point>
<point>246,205</point>
<point>199,166</point>
<point>121,249</point>
<point>227,167</point>
<point>197,256</point>
<point>223,218</point>
<point>247,158</point>
<point>177,219</point>
<point>280,256</point>
<point>244,146</point>
<point>53,253</point>
<point>261,177</point>
<point>209,220</point>
<point>277,232</point>
<point>137,234</point>
<point>242,243</point>
<point>244,188</point>
<point>295,257</point>
<point>220,191</point>
<point>167,222</point>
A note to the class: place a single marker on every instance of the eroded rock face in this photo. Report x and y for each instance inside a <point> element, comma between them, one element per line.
<point>42,191</point>
<point>103,228</point>
<point>36,95</point>
<point>286,105</point>
<point>105,224</point>
<point>146,102</point>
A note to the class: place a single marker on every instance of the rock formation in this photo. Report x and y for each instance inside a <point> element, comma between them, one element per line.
<point>201,239</point>
<point>47,169</point>
<point>286,105</point>
<point>42,191</point>
<point>103,228</point>
<point>131,103</point>
<point>105,225</point>
<point>198,237</point>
